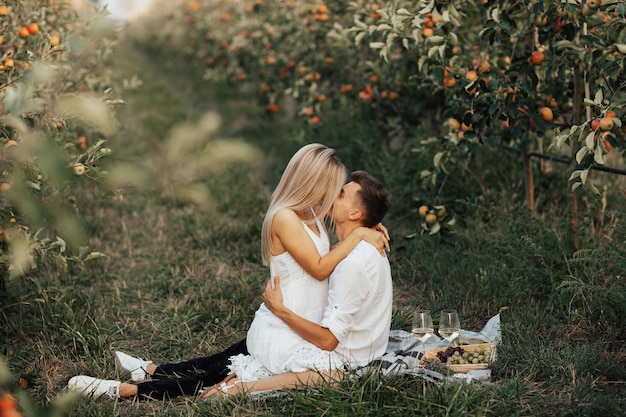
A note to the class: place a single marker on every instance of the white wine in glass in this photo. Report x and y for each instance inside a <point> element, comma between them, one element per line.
<point>422,325</point>
<point>449,325</point>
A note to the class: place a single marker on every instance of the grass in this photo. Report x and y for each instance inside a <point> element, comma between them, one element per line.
<point>179,281</point>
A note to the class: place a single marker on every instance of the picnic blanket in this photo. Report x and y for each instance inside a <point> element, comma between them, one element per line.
<point>405,351</point>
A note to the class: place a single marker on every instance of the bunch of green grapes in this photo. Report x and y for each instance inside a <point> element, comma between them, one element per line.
<point>469,358</point>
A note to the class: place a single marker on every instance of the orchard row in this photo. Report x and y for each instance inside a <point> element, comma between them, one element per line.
<point>474,73</point>
<point>55,113</point>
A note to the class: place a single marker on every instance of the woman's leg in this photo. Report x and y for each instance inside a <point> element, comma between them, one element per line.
<point>287,380</point>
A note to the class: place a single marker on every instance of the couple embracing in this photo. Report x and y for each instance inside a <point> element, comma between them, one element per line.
<point>325,310</point>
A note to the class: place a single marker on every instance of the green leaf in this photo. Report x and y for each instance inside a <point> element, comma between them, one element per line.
<point>90,110</point>
<point>437,159</point>
<point>583,175</point>
<point>435,39</point>
<point>445,16</point>
<point>421,62</point>
<point>429,7</point>
<point>581,135</point>
<point>589,140</point>
<point>599,97</point>
<point>561,139</point>
<point>61,244</point>
<point>598,156</point>
<point>581,154</point>
<point>359,37</point>
<point>495,14</point>
<point>564,44</point>
<point>359,23</point>
<point>435,228</point>
<point>575,174</point>
<point>383,53</point>
<point>94,255</point>
<point>391,38</point>
<point>432,51</point>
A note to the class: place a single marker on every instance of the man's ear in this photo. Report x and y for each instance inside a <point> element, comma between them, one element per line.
<point>355,215</point>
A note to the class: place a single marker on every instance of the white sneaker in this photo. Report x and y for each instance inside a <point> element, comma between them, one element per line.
<point>136,367</point>
<point>93,387</point>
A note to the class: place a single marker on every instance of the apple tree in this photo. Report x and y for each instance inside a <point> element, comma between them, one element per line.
<point>529,76</point>
<point>55,114</point>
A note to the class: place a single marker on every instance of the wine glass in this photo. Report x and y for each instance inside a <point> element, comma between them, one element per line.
<point>449,325</point>
<point>422,325</point>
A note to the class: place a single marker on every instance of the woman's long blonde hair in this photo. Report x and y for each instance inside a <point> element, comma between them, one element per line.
<point>312,180</point>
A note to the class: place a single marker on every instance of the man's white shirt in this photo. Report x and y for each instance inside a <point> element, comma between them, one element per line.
<point>360,299</point>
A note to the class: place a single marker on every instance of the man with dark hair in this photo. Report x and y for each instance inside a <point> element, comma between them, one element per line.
<point>373,197</point>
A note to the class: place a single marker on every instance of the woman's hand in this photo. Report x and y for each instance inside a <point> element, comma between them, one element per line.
<point>380,239</point>
<point>382,229</point>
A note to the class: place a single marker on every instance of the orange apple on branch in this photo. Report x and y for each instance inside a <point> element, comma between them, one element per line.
<point>449,81</point>
<point>606,123</point>
<point>595,124</point>
<point>537,57</point>
<point>33,28</point>
<point>471,76</point>
<point>546,114</point>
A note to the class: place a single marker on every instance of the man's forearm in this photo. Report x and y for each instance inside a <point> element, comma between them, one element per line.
<point>308,330</point>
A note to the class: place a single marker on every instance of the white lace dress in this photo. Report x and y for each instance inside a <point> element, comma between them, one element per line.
<point>275,348</point>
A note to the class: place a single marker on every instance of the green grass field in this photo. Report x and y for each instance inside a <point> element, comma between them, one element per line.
<point>181,280</point>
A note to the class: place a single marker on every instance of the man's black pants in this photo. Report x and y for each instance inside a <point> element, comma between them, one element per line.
<point>187,378</point>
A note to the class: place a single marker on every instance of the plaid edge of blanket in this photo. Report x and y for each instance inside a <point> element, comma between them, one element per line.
<point>392,363</point>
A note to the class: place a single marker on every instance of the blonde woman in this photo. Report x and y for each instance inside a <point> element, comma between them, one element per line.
<point>296,247</point>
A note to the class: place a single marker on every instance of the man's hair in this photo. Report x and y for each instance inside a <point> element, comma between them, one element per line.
<point>374,197</point>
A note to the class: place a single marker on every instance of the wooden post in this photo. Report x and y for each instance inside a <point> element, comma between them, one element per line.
<point>573,195</point>
<point>528,178</point>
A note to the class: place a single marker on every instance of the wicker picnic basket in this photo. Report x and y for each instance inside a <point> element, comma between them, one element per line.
<point>432,354</point>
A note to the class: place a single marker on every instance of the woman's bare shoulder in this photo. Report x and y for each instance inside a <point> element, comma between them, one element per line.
<point>285,216</point>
